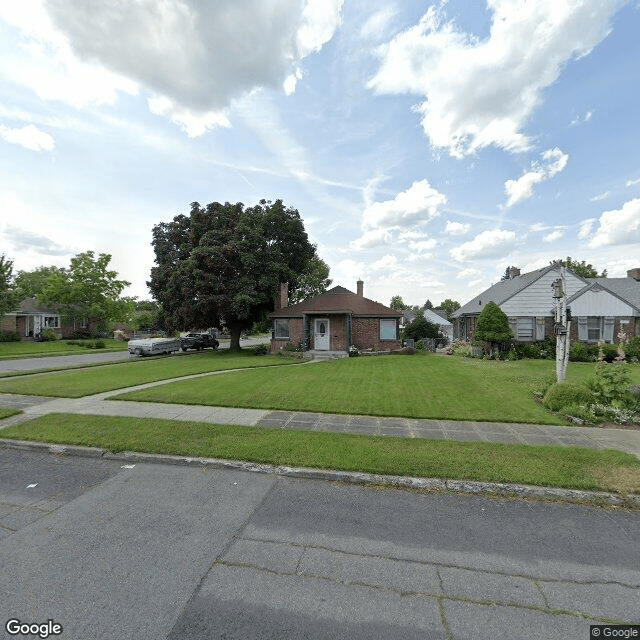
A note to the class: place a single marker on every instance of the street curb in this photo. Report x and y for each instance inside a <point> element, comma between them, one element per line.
<point>352,477</point>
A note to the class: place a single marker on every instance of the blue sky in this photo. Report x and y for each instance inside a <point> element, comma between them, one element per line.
<point>427,146</point>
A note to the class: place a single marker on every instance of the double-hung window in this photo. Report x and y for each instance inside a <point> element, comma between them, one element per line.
<point>281,329</point>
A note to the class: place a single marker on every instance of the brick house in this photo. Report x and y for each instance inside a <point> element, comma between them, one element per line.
<point>600,307</point>
<point>32,317</point>
<point>334,321</point>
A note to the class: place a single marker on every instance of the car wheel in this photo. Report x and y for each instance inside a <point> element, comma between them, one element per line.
<point>184,349</point>
<point>138,352</point>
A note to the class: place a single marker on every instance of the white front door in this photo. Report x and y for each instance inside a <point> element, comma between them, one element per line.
<point>321,334</point>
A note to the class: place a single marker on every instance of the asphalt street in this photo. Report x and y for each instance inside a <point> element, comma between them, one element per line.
<point>112,550</point>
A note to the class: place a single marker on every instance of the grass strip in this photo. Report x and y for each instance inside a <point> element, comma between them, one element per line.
<point>76,383</point>
<point>5,412</point>
<point>31,349</point>
<point>566,467</point>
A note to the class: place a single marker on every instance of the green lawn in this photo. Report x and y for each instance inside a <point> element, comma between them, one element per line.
<point>407,386</point>
<point>29,349</point>
<point>569,467</point>
<point>86,381</point>
<point>5,412</point>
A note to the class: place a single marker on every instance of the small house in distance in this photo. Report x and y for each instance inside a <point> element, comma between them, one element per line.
<point>334,321</point>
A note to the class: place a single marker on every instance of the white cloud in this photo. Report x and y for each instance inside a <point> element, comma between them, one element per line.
<point>585,228</point>
<point>621,226</point>
<point>417,205</point>
<point>370,239</point>
<point>631,183</point>
<point>45,63</point>
<point>600,196</point>
<point>456,228</point>
<point>423,246</point>
<point>29,136</point>
<point>377,24</point>
<point>199,54</point>
<point>482,92</point>
<point>488,244</point>
<point>553,236</point>
<point>193,124</point>
<point>553,161</point>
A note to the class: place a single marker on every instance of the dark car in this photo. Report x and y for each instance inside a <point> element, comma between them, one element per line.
<point>198,341</point>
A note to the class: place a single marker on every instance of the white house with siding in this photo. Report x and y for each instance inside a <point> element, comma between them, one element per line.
<point>600,307</point>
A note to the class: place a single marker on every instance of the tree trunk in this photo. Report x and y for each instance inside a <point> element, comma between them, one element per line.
<point>234,333</point>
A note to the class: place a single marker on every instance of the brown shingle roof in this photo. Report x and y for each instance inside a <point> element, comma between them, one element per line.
<point>337,300</point>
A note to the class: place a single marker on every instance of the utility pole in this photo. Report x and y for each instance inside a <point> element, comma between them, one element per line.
<point>562,325</point>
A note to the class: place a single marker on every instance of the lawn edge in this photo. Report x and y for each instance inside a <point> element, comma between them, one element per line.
<point>431,485</point>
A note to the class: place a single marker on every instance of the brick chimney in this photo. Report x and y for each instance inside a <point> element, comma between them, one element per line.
<point>634,273</point>
<point>281,301</point>
<point>360,289</point>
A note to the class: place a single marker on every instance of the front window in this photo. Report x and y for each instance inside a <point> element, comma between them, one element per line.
<point>52,322</point>
<point>593,328</point>
<point>281,329</point>
<point>523,328</point>
<point>388,330</point>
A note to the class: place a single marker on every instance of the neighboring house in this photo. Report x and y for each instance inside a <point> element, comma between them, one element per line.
<point>434,316</point>
<point>600,307</point>
<point>32,318</point>
<point>334,321</point>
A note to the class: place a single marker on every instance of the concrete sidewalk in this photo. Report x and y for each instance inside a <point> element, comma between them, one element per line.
<point>626,440</point>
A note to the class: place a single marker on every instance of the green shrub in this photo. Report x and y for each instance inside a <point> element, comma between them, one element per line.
<point>260,350</point>
<point>580,352</point>
<point>582,412</point>
<point>632,348</point>
<point>610,384</point>
<point>47,335</point>
<point>100,344</point>
<point>564,394</point>
<point>609,352</point>
<point>10,336</point>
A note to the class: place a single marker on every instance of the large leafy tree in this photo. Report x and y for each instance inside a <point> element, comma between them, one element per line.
<point>8,297</point>
<point>449,306</point>
<point>582,268</point>
<point>32,283</point>
<point>398,304</point>
<point>89,289</point>
<point>223,264</point>
<point>313,282</point>
<point>493,326</point>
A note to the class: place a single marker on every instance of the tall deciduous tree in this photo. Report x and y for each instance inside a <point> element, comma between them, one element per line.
<point>89,289</point>
<point>32,283</point>
<point>223,264</point>
<point>397,303</point>
<point>313,282</point>
<point>582,268</point>
<point>449,306</point>
<point>8,297</point>
<point>493,326</point>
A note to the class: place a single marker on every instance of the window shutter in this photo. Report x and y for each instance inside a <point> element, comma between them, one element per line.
<point>582,328</point>
<point>609,322</point>
<point>539,328</point>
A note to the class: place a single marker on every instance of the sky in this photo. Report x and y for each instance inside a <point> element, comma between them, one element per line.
<point>426,145</point>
